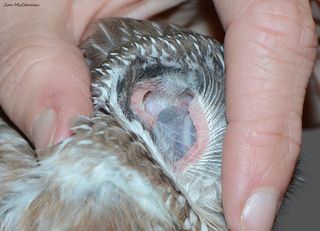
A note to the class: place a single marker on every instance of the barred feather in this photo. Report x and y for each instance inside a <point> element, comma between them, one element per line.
<point>114,173</point>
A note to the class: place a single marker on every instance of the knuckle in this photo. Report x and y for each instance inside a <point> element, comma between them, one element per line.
<point>280,133</point>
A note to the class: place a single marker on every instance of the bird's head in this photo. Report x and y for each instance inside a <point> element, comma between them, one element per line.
<point>167,86</point>
<point>149,158</point>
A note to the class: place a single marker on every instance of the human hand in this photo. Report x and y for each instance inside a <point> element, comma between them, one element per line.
<point>270,49</point>
<point>44,82</point>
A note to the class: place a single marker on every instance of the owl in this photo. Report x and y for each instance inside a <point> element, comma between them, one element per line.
<point>149,157</point>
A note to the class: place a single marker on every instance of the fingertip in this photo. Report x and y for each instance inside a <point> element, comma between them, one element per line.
<point>67,116</point>
<point>252,211</point>
<point>55,106</point>
<point>44,128</point>
<point>51,127</point>
<point>260,209</point>
<point>254,179</point>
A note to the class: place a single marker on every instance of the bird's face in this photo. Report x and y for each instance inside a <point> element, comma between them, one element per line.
<point>150,156</point>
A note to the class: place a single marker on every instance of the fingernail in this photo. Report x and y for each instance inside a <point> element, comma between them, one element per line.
<point>43,128</point>
<point>260,210</point>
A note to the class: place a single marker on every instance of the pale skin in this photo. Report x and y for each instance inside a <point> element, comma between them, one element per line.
<point>270,48</point>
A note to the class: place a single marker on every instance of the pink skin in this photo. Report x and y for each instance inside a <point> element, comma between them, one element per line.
<point>138,105</point>
<point>269,54</point>
<point>202,133</point>
<point>197,115</point>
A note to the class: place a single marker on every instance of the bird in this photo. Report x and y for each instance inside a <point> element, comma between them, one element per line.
<point>148,158</point>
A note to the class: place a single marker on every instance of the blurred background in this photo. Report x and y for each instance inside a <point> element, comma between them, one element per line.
<point>301,211</point>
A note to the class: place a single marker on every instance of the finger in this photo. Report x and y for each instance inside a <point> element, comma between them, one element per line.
<point>269,55</point>
<point>44,81</point>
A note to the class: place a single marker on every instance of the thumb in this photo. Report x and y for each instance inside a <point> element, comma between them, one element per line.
<point>44,82</point>
<point>269,56</point>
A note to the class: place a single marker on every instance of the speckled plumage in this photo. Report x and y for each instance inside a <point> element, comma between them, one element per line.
<point>115,173</point>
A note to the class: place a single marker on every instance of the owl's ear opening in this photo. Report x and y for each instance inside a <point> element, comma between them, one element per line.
<point>148,101</point>
<point>176,118</point>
